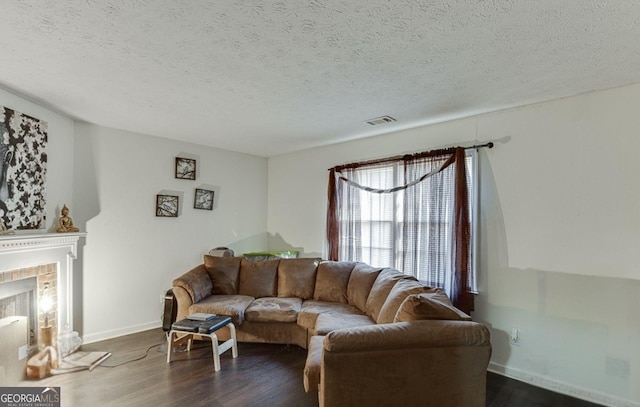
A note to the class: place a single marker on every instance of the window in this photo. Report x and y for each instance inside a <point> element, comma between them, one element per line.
<point>410,229</point>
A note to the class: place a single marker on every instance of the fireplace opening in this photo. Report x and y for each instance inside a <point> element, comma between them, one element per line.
<point>20,298</point>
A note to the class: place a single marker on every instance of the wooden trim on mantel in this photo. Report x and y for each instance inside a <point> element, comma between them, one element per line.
<point>24,238</point>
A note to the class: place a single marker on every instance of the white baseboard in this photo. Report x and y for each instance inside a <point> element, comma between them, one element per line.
<point>561,387</point>
<point>101,336</point>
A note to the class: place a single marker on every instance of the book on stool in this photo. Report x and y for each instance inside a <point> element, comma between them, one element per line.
<point>203,327</point>
<point>201,316</point>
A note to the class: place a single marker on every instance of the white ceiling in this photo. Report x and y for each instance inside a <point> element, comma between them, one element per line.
<point>270,77</point>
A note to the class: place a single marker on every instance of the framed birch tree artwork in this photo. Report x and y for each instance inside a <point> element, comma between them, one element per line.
<point>203,199</point>
<point>185,168</point>
<point>167,205</point>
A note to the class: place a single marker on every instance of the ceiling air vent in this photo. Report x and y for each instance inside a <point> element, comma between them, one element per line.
<point>380,120</point>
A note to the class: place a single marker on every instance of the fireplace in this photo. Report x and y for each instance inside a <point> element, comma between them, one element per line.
<point>24,292</point>
<point>37,265</point>
<point>19,298</point>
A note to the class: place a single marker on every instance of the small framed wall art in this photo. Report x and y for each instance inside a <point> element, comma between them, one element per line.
<point>203,199</point>
<point>167,205</point>
<point>185,168</point>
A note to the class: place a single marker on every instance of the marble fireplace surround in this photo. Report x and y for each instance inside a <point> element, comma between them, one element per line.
<point>28,250</point>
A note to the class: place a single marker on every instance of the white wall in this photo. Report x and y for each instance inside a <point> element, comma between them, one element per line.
<point>59,181</point>
<point>109,179</point>
<point>131,256</point>
<point>559,226</point>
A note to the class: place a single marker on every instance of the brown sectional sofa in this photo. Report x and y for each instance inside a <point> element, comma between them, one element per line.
<point>374,336</point>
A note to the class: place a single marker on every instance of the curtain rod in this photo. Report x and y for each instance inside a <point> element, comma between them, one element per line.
<point>400,157</point>
<point>488,145</point>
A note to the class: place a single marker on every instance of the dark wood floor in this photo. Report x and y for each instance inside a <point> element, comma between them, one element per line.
<point>262,375</point>
<point>505,392</point>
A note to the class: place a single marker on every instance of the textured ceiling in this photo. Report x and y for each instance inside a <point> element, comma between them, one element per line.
<point>279,76</point>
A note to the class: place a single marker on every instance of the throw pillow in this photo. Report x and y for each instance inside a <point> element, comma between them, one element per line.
<point>380,290</point>
<point>396,297</point>
<point>362,278</point>
<point>297,277</point>
<point>223,272</point>
<point>332,280</point>
<point>431,305</point>
<point>258,279</point>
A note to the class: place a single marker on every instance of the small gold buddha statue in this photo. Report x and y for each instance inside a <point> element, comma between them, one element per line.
<point>66,223</point>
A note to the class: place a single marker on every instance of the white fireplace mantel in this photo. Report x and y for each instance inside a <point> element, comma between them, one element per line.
<point>30,249</point>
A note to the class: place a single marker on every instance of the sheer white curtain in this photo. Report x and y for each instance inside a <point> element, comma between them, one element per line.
<point>367,219</point>
<point>404,213</point>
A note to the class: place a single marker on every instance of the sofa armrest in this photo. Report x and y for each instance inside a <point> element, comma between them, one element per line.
<point>190,288</point>
<point>196,282</point>
<point>419,362</point>
<point>183,300</point>
<point>404,335</point>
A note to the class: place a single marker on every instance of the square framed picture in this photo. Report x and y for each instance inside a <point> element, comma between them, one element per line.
<point>167,205</point>
<point>203,199</point>
<point>185,168</point>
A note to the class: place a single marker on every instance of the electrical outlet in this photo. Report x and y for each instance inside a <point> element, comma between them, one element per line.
<point>514,336</point>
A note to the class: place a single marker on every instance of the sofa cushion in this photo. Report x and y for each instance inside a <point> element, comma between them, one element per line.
<point>259,278</point>
<point>431,305</point>
<point>297,277</point>
<point>196,282</point>
<point>233,306</point>
<point>331,281</point>
<point>313,365</point>
<point>380,290</point>
<point>360,282</point>
<point>331,321</point>
<point>270,309</point>
<point>223,272</point>
<point>312,309</point>
<point>397,295</point>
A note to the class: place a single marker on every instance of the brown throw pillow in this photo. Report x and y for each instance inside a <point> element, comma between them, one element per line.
<point>431,305</point>
<point>223,272</point>
<point>360,282</point>
<point>332,280</point>
<point>297,277</point>
<point>380,290</point>
<point>258,279</point>
<point>396,297</point>
<point>196,282</point>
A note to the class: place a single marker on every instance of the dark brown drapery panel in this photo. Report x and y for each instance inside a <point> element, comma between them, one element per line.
<point>416,169</point>
<point>460,293</point>
<point>332,218</point>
